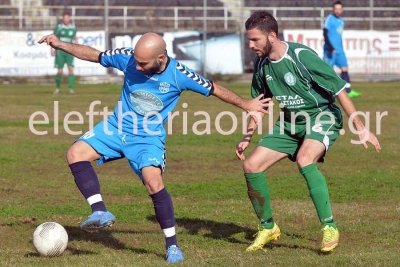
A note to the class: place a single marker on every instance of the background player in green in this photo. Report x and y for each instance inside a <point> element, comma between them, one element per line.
<point>66,32</point>
<point>306,88</point>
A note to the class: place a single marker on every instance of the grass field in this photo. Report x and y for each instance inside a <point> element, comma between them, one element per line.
<point>215,220</point>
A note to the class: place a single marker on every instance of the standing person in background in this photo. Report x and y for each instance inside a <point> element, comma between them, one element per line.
<point>66,32</point>
<point>334,54</point>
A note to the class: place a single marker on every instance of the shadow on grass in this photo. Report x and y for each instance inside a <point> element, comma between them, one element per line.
<point>72,251</point>
<point>219,230</point>
<point>226,231</point>
<point>104,237</point>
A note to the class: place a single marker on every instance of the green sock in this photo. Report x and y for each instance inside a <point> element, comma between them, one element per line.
<point>319,193</point>
<point>58,81</point>
<point>258,191</point>
<point>71,81</point>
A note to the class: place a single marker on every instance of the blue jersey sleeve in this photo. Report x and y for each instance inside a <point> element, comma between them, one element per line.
<point>328,22</point>
<point>188,79</point>
<point>117,58</point>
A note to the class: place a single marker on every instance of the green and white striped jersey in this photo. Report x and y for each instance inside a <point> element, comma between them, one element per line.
<point>300,81</point>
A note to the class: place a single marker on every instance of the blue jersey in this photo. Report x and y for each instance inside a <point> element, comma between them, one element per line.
<point>335,27</point>
<point>147,100</point>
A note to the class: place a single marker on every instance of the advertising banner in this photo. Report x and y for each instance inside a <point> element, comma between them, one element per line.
<point>221,51</point>
<point>366,51</point>
<point>21,55</point>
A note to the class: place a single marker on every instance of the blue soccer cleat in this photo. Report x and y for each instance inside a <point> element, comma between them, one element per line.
<point>98,220</point>
<point>174,254</point>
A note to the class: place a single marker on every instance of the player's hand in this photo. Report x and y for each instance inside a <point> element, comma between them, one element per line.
<point>366,136</point>
<point>51,40</point>
<point>241,147</point>
<point>257,105</point>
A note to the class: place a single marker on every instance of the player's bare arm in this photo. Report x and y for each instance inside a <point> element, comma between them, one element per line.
<point>364,134</point>
<point>254,105</point>
<point>245,142</point>
<point>80,51</point>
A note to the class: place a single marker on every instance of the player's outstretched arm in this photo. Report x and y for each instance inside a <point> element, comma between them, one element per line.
<point>252,106</point>
<point>363,133</point>
<point>80,51</point>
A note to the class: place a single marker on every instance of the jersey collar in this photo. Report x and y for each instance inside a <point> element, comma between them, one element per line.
<point>284,55</point>
<point>166,65</point>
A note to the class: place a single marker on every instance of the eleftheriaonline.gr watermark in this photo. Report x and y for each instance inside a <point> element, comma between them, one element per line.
<point>201,126</point>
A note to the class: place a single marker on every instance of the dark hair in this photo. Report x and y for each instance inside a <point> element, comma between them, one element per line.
<point>263,21</point>
<point>66,13</point>
<point>337,3</point>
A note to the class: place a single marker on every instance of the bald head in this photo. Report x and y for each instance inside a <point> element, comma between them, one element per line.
<point>150,45</point>
<point>150,53</point>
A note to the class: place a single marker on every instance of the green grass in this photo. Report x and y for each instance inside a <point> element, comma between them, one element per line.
<point>215,220</point>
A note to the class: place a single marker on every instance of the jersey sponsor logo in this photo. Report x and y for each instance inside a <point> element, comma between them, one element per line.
<point>290,79</point>
<point>268,78</point>
<point>70,33</point>
<point>291,101</point>
<point>145,102</point>
<point>164,87</point>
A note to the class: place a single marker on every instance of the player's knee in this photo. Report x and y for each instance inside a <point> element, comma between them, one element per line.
<point>71,155</point>
<point>303,160</point>
<point>154,185</point>
<point>79,152</point>
<point>249,166</point>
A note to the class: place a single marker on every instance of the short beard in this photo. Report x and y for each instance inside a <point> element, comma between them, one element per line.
<point>155,69</point>
<point>268,48</point>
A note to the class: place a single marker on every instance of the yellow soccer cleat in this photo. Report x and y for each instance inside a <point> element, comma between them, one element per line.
<point>264,236</point>
<point>330,240</point>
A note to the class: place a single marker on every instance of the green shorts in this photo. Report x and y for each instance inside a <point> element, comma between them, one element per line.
<point>287,138</point>
<point>63,58</point>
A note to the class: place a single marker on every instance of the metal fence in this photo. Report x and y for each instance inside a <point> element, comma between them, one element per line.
<point>185,18</point>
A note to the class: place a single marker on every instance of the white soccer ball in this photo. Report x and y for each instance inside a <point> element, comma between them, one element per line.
<point>50,239</point>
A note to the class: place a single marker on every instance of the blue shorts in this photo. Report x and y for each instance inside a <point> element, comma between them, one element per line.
<point>141,151</point>
<point>335,59</point>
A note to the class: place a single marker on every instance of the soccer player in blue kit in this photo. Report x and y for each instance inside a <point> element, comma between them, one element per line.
<point>151,89</point>
<point>334,54</point>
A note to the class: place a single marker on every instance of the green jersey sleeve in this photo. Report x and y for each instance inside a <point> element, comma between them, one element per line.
<point>321,73</point>
<point>258,84</point>
<point>55,30</point>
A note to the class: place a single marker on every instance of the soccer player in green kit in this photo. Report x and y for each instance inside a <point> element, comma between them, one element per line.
<point>66,32</point>
<point>306,88</point>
